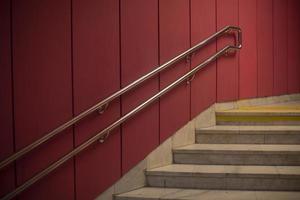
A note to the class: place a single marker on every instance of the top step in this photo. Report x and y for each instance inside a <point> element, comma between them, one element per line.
<point>277,114</point>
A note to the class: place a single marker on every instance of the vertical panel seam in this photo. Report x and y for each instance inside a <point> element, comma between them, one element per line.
<point>190,63</point>
<point>239,71</point>
<point>13,93</point>
<point>120,86</point>
<point>73,105</point>
<point>257,47</point>
<point>256,39</point>
<point>287,47</point>
<point>217,60</point>
<point>288,65</point>
<point>273,57</point>
<point>273,49</point>
<point>159,75</point>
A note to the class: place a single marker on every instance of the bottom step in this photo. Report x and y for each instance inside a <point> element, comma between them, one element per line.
<point>149,193</point>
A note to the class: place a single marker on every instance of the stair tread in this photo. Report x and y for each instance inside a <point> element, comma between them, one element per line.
<point>262,148</point>
<point>196,194</point>
<point>225,170</point>
<point>291,129</point>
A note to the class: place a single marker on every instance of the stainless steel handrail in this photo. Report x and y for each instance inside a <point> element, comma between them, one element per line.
<point>105,132</point>
<point>104,103</point>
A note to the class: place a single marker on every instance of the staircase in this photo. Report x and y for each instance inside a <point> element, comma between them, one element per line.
<point>253,153</point>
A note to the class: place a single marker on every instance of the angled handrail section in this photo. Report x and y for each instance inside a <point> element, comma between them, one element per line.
<point>104,103</point>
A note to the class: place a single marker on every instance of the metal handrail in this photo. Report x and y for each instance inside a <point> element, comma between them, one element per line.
<point>105,132</point>
<point>104,103</point>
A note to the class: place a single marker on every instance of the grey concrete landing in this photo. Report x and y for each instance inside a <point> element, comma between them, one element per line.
<point>148,193</point>
<point>226,177</point>
<point>238,154</point>
<point>248,135</point>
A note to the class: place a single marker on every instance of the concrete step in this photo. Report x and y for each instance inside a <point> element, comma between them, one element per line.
<point>153,193</point>
<point>237,154</point>
<point>258,117</point>
<point>230,177</point>
<point>249,135</point>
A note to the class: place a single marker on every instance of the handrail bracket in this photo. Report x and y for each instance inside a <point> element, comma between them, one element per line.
<point>102,109</point>
<point>188,58</point>
<point>104,137</point>
<point>190,79</point>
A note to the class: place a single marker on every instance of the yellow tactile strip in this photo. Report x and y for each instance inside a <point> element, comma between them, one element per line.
<point>283,107</point>
<point>241,118</point>
<point>269,113</point>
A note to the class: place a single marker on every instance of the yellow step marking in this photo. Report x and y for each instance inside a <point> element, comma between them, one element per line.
<point>224,118</point>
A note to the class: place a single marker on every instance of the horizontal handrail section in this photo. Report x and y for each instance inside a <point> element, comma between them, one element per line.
<point>99,137</point>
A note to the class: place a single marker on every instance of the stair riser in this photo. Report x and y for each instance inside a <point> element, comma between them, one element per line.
<point>236,159</point>
<point>227,138</point>
<point>230,183</point>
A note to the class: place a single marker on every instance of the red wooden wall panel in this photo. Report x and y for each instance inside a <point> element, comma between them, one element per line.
<point>203,24</point>
<point>6,111</point>
<point>280,30</point>
<point>139,55</point>
<point>265,47</point>
<point>43,92</point>
<point>174,37</point>
<point>248,56</point>
<point>293,46</point>
<point>109,46</point>
<point>227,67</point>
<point>96,76</point>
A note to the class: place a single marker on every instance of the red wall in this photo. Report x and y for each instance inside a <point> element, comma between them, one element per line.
<point>94,47</point>
<point>227,67</point>
<point>7,175</point>
<point>139,55</point>
<point>59,57</point>
<point>265,42</point>
<point>293,57</point>
<point>204,86</point>
<point>280,37</point>
<point>174,38</point>
<point>42,89</point>
<point>248,57</point>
